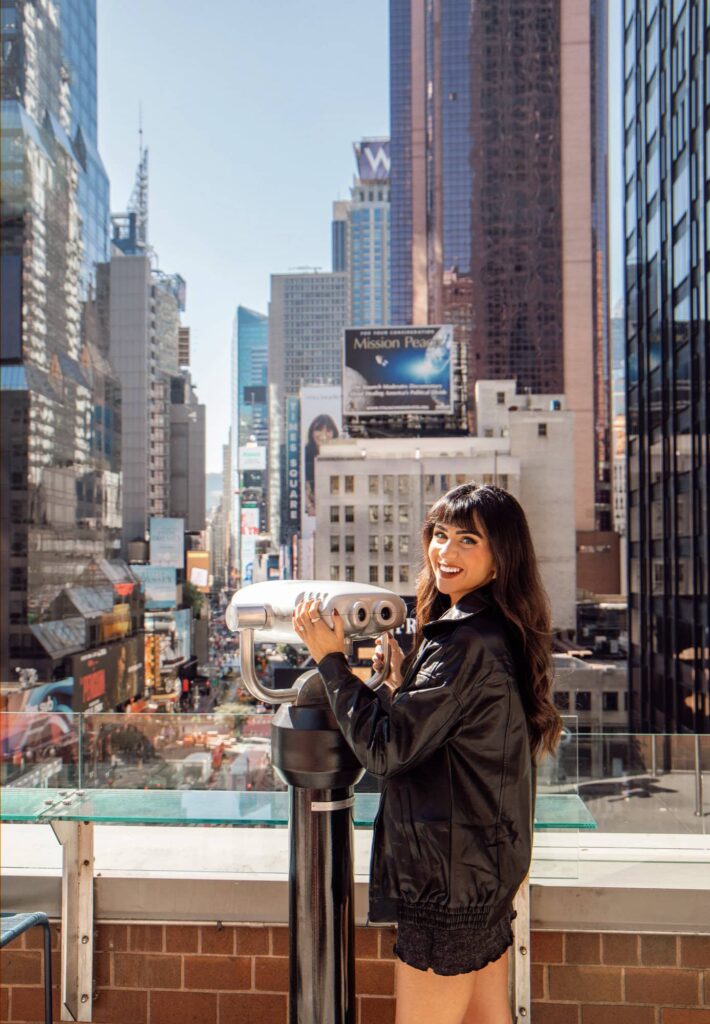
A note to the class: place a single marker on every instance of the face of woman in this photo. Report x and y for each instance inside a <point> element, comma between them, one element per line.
<point>462,560</point>
<point>323,434</point>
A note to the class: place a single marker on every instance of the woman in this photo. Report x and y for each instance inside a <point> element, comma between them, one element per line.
<point>455,745</point>
<point>322,429</point>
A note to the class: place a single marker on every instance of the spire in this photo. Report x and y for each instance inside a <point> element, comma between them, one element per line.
<point>138,203</point>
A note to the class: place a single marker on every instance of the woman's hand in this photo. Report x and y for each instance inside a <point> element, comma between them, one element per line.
<point>315,633</point>
<point>394,679</point>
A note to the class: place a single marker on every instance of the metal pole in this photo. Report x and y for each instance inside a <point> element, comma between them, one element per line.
<point>321,911</point>
<point>698,779</point>
<point>653,757</point>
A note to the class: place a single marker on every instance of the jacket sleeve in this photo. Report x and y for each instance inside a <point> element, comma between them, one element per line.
<point>391,737</point>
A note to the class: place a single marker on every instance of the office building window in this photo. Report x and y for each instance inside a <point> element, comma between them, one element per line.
<point>389,574</point>
<point>388,514</point>
<point>335,513</point>
<point>404,544</point>
<point>373,484</point>
<point>388,484</point>
<point>610,700</point>
<point>583,700</point>
<point>349,543</point>
<point>388,543</point>
<point>403,485</point>
<point>374,574</point>
<point>561,698</point>
<point>373,513</point>
<point>374,544</point>
<point>334,543</point>
<point>349,484</point>
<point>349,513</point>
<point>404,514</point>
<point>500,397</point>
<point>335,572</point>
<point>349,573</point>
<point>542,430</point>
<point>404,574</point>
<point>335,485</point>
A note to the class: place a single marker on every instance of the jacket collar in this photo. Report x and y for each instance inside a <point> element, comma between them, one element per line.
<point>470,604</point>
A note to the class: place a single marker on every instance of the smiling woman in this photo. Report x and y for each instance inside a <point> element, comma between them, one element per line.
<point>454,738</point>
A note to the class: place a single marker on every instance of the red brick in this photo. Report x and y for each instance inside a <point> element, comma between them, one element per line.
<point>4,1003</point>
<point>252,941</point>
<point>185,1007</point>
<point>112,1005</point>
<point>618,1013</point>
<point>620,948</point>
<point>663,985</point>
<point>707,987</point>
<point>146,970</point>
<point>102,970</point>
<point>585,984</point>
<point>147,938</point>
<point>34,938</point>
<point>387,939</point>
<point>255,1007</point>
<point>111,936</point>
<point>217,941</point>
<point>279,941</point>
<point>537,981</point>
<point>547,947</point>
<point>686,1016</point>
<point>659,950</point>
<point>375,978</point>
<point>21,967</point>
<point>367,943</point>
<point>555,1013</point>
<point>27,1004</point>
<point>271,973</point>
<point>582,948</point>
<point>226,973</point>
<point>376,1011</point>
<point>181,938</point>
<point>695,950</point>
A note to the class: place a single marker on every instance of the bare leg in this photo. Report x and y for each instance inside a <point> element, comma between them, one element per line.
<point>427,998</point>
<point>490,1001</point>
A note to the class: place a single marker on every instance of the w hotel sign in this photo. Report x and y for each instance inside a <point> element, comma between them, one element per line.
<point>373,160</point>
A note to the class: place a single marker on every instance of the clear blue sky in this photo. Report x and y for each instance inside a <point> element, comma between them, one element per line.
<point>250,109</point>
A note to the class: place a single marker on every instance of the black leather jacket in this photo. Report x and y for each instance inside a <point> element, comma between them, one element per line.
<point>453,835</point>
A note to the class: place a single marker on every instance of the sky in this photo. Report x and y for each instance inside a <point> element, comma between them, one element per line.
<point>249,111</point>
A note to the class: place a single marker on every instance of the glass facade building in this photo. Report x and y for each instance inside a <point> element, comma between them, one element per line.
<point>61,406</point>
<point>667,178</point>
<point>368,236</point>
<point>250,406</point>
<point>475,197</point>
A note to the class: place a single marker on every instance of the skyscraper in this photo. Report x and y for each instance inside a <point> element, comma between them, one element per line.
<point>361,236</point>
<point>61,454</point>
<point>491,195</point>
<point>307,314</point>
<point>668,383</point>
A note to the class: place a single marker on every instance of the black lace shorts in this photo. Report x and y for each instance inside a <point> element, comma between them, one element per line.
<point>452,950</point>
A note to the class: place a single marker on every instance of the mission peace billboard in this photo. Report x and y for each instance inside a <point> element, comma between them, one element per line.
<point>398,370</point>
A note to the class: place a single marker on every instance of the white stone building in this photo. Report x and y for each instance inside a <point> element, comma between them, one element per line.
<point>373,494</point>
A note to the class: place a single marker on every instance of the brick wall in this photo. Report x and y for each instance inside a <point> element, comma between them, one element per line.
<point>173,974</point>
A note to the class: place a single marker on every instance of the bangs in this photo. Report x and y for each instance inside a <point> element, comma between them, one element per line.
<point>456,509</point>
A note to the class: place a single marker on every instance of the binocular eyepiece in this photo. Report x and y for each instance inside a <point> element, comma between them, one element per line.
<point>268,608</point>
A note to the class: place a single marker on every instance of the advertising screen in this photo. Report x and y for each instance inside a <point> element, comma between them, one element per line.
<point>249,533</point>
<point>129,673</point>
<point>94,672</point>
<point>197,570</point>
<point>293,462</point>
<point>183,620</point>
<point>167,543</point>
<point>159,585</point>
<point>397,370</point>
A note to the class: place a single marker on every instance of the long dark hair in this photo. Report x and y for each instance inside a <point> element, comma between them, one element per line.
<point>517,590</point>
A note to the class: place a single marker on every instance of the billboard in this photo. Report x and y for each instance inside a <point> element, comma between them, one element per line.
<point>167,541</point>
<point>398,370</point>
<point>159,585</point>
<point>183,624</point>
<point>197,570</point>
<point>247,542</point>
<point>129,678</point>
<point>172,630</point>
<point>93,675</point>
<point>373,160</point>
<point>252,457</point>
<point>321,422</point>
<point>293,463</point>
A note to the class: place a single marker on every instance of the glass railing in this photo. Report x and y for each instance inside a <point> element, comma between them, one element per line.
<point>628,783</point>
